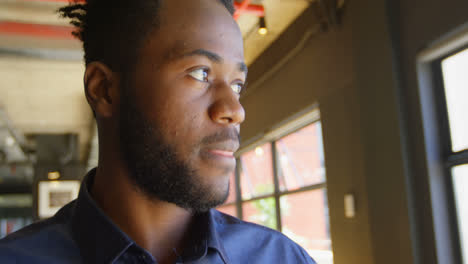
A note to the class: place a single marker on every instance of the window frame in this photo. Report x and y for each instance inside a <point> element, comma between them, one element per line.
<point>440,158</point>
<point>297,122</point>
<point>451,158</point>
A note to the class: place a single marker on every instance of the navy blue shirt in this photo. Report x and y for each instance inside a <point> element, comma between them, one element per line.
<point>81,233</point>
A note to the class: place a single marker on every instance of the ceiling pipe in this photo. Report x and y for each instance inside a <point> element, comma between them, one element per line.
<point>241,8</point>
<point>36,30</point>
<point>64,32</point>
<point>257,10</point>
<point>18,136</point>
<point>54,1</point>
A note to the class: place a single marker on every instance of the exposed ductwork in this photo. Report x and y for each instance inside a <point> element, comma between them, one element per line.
<point>13,145</point>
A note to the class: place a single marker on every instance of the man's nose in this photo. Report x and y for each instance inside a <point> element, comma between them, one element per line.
<point>226,108</point>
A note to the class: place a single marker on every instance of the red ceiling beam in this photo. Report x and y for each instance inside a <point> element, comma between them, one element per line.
<point>241,8</point>
<point>53,1</point>
<point>257,10</point>
<point>36,30</point>
<point>64,32</point>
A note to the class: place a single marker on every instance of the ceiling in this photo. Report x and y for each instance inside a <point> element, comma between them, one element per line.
<point>41,68</point>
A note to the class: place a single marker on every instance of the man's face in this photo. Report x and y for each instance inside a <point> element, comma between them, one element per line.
<point>180,112</point>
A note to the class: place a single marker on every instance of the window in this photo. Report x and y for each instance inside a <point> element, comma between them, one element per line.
<point>281,184</point>
<point>443,89</point>
<point>455,94</point>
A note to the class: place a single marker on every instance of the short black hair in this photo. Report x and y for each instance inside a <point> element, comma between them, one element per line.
<point>113,31</point>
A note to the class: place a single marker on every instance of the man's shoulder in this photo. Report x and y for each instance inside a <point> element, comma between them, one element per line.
<point>31,232</point>
<point>36,241</point>
<point>257,242</point>
<point>40,230</point>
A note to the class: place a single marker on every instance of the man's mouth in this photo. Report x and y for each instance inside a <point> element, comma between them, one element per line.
<point>227,154</point>
<point>222,150</point>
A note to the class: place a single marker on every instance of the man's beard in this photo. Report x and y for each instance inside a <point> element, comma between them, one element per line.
<point>155,168</point>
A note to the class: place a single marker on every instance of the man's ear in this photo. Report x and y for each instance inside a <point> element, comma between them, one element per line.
<point>101,89</point>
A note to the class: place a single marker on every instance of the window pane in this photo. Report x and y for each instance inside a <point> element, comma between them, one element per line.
<point>228,209</point>
<point>256,172</point>
<point>304,219</point>
<point>262,212</point>
<point>460,185</point>
<point>301,158</point>
<point>232,189</point>
<point>456,92</point>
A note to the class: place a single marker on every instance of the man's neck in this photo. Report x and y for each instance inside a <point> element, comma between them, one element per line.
<point>156,226</point>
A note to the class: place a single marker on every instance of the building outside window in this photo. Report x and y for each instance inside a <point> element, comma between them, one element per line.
<point>281,183</point>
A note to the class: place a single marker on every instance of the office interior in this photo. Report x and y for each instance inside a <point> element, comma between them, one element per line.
<point>355,142</point>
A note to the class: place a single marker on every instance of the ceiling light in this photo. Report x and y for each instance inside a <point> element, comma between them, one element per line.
<point>53,175</point>
<point>262,28</point>
<point>259,151</point>
<point>9,141</point>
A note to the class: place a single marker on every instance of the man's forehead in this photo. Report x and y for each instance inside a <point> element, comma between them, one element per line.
<point>180,15</point>
<point>190,8</point>
<point>208,21</point>
<point>182,49</point>
<point>208,26</point>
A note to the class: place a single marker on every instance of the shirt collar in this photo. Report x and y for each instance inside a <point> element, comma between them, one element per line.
<point>215,223</point>
<point>101,241</point>
<point>98,238</point>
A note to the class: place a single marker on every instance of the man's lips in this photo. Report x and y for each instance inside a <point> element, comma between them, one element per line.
<point>224,149</point>
<point>227,154</point>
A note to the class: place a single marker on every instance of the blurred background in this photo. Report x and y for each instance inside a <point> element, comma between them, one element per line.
<point>355,140</point>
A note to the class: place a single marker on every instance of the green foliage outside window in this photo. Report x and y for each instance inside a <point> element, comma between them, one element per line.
<point>266,212</point>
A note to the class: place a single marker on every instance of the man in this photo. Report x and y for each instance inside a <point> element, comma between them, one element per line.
<point>163,78</point>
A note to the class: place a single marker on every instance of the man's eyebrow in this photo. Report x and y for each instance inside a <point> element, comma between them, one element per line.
<point>213,57</point>
<point>206,53</point>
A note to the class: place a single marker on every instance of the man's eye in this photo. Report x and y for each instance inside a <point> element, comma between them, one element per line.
<point>237,87</point>
<point>200,74</point>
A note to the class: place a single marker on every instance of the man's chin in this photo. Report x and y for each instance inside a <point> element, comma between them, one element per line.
<point>214,195</point>
<point>197,195</point>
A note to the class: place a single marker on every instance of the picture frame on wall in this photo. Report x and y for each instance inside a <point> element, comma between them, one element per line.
<point>53,195</point>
